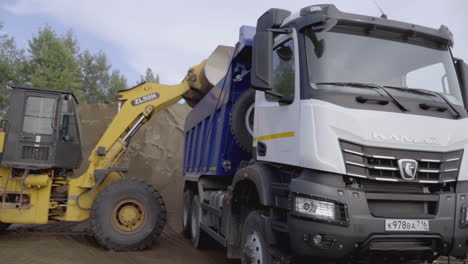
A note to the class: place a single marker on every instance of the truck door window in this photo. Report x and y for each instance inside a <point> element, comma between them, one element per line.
<point>68,125</point>
<point>283,70</point>
<point>430,77</point>
<point>39,115</point>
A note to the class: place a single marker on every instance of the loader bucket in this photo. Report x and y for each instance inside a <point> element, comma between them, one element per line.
<point>207,74</point>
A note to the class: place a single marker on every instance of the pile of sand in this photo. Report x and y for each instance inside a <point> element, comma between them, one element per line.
<point>155,153</point>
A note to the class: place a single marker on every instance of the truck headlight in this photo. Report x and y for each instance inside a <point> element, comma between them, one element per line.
<point>316,208</point>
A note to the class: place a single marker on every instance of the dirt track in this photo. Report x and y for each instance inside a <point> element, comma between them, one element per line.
<point>68,243</point>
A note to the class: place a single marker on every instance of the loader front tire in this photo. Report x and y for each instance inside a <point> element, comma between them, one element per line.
<point>128,215</point>
<point>4,226</point>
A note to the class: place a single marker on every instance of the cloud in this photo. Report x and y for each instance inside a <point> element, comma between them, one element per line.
<point>170,36</point>
<point>166,38</point>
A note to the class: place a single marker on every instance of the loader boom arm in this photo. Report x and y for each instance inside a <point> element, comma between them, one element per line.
<point>137,105</point>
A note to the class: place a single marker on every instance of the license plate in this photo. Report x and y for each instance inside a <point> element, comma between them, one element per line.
<point>406,225</point>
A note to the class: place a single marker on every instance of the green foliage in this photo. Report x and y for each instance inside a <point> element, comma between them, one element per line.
<point>11,67</point>
<point>117,82</point>
<point>149,77</point>
<point>95,76</point>
<point>57,62</point>
<point>52,62</point>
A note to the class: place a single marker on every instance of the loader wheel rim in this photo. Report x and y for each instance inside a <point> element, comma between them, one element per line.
<point>129,216</point>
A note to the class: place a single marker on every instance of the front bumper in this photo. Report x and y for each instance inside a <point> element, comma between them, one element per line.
<point>365,233</point>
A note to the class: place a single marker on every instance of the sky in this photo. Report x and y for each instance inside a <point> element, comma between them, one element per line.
<point>170,36</point>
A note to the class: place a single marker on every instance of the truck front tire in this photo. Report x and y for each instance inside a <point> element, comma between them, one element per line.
<point>128,215</point>
<point>4,226</point>
<point>254,247</point>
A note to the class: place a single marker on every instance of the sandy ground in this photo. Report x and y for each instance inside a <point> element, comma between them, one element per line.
<point>68,243</point>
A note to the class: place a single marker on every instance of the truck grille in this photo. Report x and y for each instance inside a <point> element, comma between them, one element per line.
<point>382,164</point>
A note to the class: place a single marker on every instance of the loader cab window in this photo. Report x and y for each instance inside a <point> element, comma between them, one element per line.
<point>39,115</point>
<point>68,124</point>
<point>283,70</point>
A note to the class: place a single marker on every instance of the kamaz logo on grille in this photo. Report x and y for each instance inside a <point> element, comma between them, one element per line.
<point>145,99</point>
<point>408,169</point>
<point>406,139</point>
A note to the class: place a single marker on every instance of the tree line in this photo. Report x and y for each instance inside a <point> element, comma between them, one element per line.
<point>56,62</point>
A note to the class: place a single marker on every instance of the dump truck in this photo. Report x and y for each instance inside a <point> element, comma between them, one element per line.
<point>331,137</point>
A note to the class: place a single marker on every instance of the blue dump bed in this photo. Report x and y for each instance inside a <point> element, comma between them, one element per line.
<point>210,148</point>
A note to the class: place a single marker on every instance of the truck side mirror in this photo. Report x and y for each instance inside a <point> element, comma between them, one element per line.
<point>262,54</point>
<point>462,71</point>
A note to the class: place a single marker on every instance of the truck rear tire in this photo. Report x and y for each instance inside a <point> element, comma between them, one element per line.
<point>200,239</point>
<point>254,247</point>
<point>4,226</point>
<point>188,196</point>
<point>128,215</point>
<point>242,117</point>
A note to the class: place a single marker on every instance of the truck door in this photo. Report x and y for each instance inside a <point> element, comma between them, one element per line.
<point>276,124</point>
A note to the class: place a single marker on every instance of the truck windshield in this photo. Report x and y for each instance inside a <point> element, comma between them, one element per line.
<point>357,58</point>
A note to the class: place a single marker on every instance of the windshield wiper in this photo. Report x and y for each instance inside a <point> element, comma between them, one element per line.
<point>427,92</point>
<point>368,85</point>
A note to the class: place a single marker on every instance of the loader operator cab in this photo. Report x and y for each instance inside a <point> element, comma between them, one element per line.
<point>42,130</point>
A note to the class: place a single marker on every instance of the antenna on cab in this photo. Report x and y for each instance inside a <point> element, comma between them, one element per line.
<point>381,11</point>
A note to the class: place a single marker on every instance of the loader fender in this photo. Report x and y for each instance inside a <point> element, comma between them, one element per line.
<point>261,175</point>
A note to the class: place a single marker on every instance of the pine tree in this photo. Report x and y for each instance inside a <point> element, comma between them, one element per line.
<point>117,82</point>
<point>96,78</point>
<point>12,62</point>
<point>149,77</point>
<point>52,63</point>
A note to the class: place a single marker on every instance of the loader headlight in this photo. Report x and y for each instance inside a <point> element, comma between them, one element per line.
<point>320,209</point>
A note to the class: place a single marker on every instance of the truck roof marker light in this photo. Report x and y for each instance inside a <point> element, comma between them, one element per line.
<point>246,175</point>
<point>310,9</point>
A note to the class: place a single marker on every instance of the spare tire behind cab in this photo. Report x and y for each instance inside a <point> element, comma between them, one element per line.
<point>242,118</point>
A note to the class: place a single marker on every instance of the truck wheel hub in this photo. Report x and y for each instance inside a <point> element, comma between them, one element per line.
<point>253,249</point>
<point>129,216</point>
<point>249,119</point>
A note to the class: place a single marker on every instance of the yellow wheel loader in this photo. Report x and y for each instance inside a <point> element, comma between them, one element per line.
<point>40,146</point>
